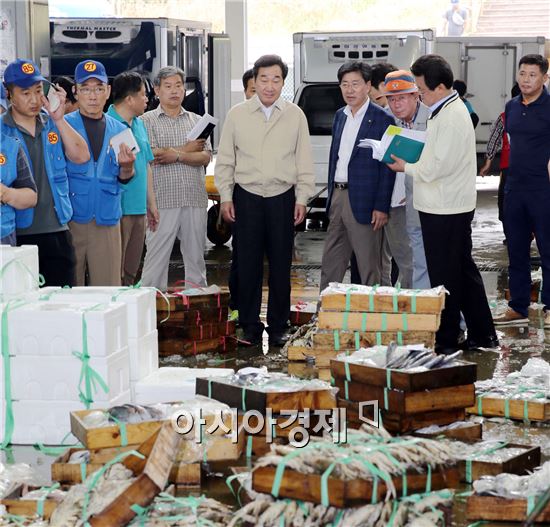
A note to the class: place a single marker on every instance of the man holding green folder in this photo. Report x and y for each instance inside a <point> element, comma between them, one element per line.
<point>444,181</point>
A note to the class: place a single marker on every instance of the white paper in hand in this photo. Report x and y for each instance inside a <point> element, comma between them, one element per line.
<point>126,137</point>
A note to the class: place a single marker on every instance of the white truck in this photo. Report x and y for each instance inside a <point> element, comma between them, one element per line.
<point>146,45</point>
<point>487,64</point>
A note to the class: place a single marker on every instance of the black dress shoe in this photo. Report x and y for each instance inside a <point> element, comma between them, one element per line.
<point>250,339</point>
<point>475,344</point>
<point>445,350</point>
<point>278,340</point>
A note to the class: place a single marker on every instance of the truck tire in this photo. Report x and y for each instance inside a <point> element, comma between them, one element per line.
<point>217,234</point>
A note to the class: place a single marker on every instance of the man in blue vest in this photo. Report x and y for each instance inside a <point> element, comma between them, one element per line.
<point>96,186</point>
<point>48,141</point>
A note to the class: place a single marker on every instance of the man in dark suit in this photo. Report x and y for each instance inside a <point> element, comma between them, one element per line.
<point>359,187</point>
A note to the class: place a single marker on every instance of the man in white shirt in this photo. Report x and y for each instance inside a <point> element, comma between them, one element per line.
<point>359,187</point>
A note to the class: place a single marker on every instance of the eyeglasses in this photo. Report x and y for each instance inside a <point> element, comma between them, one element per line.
<point>355,85</point>
<point>97,90</point>
<point>393,99</point>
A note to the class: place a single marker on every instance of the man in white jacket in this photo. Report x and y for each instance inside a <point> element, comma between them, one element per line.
<point>445,196</point>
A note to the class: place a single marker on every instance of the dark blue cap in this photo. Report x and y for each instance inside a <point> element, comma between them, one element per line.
<point>90,69</point>
<point>23,73</point>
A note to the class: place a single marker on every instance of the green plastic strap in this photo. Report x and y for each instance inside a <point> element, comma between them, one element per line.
<point>336,340</point>
<point>477,524</point>
<point>346,390</point>
<point>332,381</point>
<point>413,301</point>
<point>405,321</point>
<point>122,428</point>
<point>395,303</point>
<point>243,399</point>
<point>400,338</point>
<point>56,450</point>
<point>338,517</point>
<point>357,340</point>
<point>507,408</point>
<point>530,504</point>
<point>429,479</point>
<point>346,369</point>
<point>237,494</point>
<point>324,485</point>
<point>249,447</point>
<point>480,404</point>
<point>388,379</point>
<point>41,501</point>
<point>348,300</point>
<point>345,321</point>
<point>378,338</point>
<point>384,322</point>
<point>210,388</point>
<point>393,513</point>
<point>380,421</point>
<point>8,403</point>
<point>386,402</point>
<point>526,410</point>
<point>363,322</point>
<point>468,470</point>
<point>371,301</point>
<point>374,497</point>
<point>404,483</point>
<point>83,472</point>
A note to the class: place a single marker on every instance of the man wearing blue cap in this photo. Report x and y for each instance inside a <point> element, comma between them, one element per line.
<point>49,141</point>
<point>96,186</point>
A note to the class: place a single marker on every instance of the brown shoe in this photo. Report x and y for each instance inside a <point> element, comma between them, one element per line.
<point>510,318</point>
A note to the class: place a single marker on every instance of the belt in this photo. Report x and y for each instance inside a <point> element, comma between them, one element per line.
<point>341,186</point>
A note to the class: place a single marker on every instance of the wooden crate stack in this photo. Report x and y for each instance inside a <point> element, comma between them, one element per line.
<point>192,324</point>
<point>353,317</point>
<point>407,401</point>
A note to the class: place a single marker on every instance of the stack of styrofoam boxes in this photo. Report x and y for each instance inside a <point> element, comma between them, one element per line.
<point>20,276</point>
<point>141,320</point>
<point>45,373</point>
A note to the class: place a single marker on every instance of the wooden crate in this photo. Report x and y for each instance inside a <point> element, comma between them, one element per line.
<point>367,339</point>
<point>249,399</point>
<point>180,302</point>
<point>152,476</point>
<point>407,403</point>
<point>492,508</point>
<point>402,424</point>
<point>470,432</point>
<point>377,321</point>
<point>299,318</point>
<point>307,371</point>
<point>193,332</point>
<point>461,374</point>
<point>195,317</point>
<point>307,487</point>
<point>187,474</point>
<point>521,464</point>
<point>183,347</point>
<point>217,448</point>
<point>495,407</point>
<point>19,506</point>
<point>277,429</point>
<point>383,303</point>
<point>322,356</point>
<point>109,436</point>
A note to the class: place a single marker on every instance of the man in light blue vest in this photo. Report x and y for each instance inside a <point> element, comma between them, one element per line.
<point>48,141</point>
<point>96,186</point>
<point>17,187</point>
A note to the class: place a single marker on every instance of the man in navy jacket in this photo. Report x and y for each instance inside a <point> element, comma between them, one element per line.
<point>359,187</point>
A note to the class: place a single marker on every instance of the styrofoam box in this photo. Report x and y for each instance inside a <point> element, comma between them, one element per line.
<point>18,277</point>
<point>144,356</point>
<point>57,378</point>
<point>48,422</point>
<point>47,328</point>
<point>141,303</point>
<point>172,384</point>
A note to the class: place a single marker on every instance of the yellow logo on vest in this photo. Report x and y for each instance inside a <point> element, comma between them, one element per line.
<point>27,68</point>
<point>2,159</point>
<point>90,66</point>
<point>53,138</point>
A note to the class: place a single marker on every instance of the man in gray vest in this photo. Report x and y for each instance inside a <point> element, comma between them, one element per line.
<point>402,95</point>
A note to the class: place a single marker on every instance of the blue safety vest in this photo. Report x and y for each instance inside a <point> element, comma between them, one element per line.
<point>56,169</point>
<point>95,191</point>
<point>9,149</point>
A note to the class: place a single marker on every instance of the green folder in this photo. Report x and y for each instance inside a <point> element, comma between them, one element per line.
<point>403,147</point>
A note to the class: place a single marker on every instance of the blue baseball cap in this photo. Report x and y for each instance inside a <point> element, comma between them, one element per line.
<point>90,69</point>
<point>23,73</point>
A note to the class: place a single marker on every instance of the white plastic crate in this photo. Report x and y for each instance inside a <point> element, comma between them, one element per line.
<point>50,329</point>
<point>20,270</point>
<point>57,378</point>
<point>140,302</point>
<point>47,422</point>
<point>172,384</point>
<point>144,356</point>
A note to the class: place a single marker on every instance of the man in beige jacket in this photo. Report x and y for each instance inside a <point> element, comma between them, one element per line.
<point>264,173</point>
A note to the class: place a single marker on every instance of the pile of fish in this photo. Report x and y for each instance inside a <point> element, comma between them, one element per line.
<point>168,511</point>
<point>12,476</point>
<point>491,451</point>
<point>262,380</point>
<point>135,413</point>
<point>411,358</point>
<point>335,288</point>
<point>515,487</point>
<point>413,454</point>
<point>415,511</point>
<point>434,429</point>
